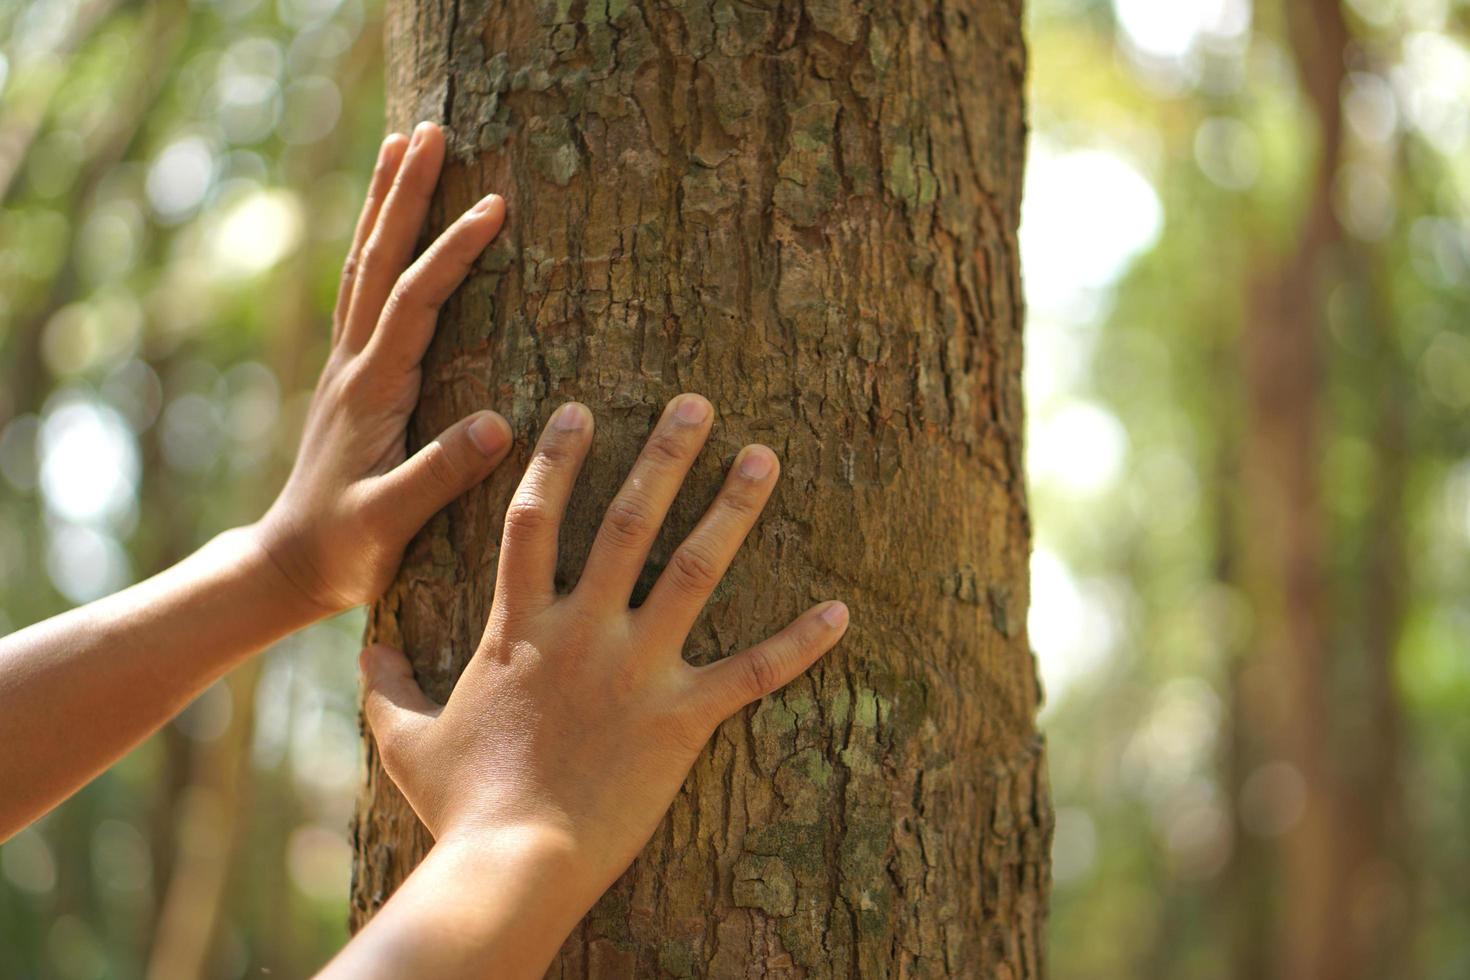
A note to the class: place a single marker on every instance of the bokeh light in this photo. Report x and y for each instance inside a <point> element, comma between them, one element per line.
<point>171,229</point>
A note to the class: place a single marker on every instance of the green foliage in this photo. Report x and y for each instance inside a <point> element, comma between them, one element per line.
<point>170,243</point>
<point>1154,845</point>
<point>171,230</point>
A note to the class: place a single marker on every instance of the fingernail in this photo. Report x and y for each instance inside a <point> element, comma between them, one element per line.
<point>487,434</point>
<point>418,133</point>
<point>692,410</point>
<point>756,464</point>
<point>483,204</point>
<point>571,417</point>
<point>835,615</point>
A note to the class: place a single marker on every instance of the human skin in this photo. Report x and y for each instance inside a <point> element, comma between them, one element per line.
<point>110,673</point>
<point>577,719</point>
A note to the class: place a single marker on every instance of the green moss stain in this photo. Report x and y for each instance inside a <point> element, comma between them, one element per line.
<point>809,183</point>
<point>898,172</point>
<point>906,179</point>
<point>880,50</point>
<point>705,193</point>
<point>554,154</point>
<point>765,883</point>
<point>555,12</point>
<point>868,707</point>
<point>676,959</point>
<point>800,705</point>
<point>772,721</point>
<point>841,707</point>
<point>799,844</point>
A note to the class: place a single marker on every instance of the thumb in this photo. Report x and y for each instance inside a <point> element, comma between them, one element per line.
<point>396,708</point>
<point>404,498</point>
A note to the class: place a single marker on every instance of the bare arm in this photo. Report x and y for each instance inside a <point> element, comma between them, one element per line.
<point>79,690</point>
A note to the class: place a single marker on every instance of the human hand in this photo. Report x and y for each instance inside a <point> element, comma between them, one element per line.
<point>352,502</point>
<point>577,719</point>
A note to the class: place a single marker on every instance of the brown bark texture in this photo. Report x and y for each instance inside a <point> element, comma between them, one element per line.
<point>805,210</point>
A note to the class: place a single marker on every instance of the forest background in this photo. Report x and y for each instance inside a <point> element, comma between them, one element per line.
<point>178,180</point>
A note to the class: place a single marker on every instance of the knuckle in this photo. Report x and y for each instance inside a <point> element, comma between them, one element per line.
<point>758,672</point>
<point>664,447</point>
<point>399,300</point>
<point>741,502</point>
<point>628,519</point>
<point>526,517</point>
<point>442,468</point>
<point>553,452</point>
<point>414,289</point>
<point>405,293</point>
<point>349,267</point>
<point>694,569</point>
<point>372,255</point>
<point>355,384</point>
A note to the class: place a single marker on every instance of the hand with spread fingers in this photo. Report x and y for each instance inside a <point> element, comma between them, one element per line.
<point>339,527</point>
<point>577,720</point>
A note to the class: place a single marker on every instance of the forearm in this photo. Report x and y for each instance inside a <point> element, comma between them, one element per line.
<point>79,690</point>
<point>476,907</point>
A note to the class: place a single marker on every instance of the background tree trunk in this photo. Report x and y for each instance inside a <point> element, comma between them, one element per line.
<point>806,211</point>
<point>1286,529</point>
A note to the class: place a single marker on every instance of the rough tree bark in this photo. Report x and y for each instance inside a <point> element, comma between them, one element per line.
<point>806,210</point>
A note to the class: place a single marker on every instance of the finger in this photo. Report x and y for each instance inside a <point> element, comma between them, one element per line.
<point>402,500</point>
<point>395,706</point>
<point>636,513</point>
<point>698,564</point>
<point>390,155</point>
<point>528,548</point>
<point>390,244</point>
<point>407,323</point>
<point>728,685</point>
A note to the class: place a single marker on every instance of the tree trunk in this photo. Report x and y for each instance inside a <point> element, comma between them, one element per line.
<point>806,211</point>
<point>1286,528</point>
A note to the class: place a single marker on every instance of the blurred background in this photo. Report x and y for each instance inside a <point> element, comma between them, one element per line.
<point>1248,376</point>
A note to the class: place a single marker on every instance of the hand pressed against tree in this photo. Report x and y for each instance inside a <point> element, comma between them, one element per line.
<point>112,671</point>
<point>576,721</point>
<point>339,527</point>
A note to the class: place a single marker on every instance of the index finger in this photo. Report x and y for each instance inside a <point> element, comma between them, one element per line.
<point>390,245</point>
<point>390,157</point>
<point>412,309</point>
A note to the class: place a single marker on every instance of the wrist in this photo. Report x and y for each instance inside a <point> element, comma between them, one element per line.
<point>495,902</point>
<point>266,556</point>
<point>529,852</point>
